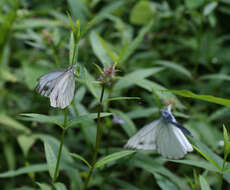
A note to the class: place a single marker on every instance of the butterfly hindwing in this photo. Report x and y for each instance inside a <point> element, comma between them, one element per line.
<point>171,142</point>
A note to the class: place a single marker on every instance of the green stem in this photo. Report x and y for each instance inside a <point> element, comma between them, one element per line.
<point>98,139</point>
<point>56,173</point>
<point>221,175</point>
<point>56,57</point>
<point>75,53</point>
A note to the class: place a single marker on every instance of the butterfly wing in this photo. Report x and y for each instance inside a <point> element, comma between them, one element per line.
<point>47,82</point>
<point>62,94</point>
<point>171,142</point>
<point>145,138</point>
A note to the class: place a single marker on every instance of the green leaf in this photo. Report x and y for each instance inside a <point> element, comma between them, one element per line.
<point>226,139</point>
<point>156,165</point>
<point>208,98</point>
<point>60,186</point>
<point>71,48</point>
<point>142,112</point>
<point>80,158</point>
<point>164,183</point>
<point>223,77</point>
<point>44,186</point>
<point>157,99</point>
<point>107,10</point>
<point>174,66</point>
<point>112,54</point>
<point>113,157</point>
<point>142,13</point>
<point>31,73</point>
<point>36,23</point>
<point>50,158</point>
<point>227,149</point>
<point>26,142</point>
<point>24,170</point>
<point>9,154</point>
<point>131,78</point>
<point>55,144</point>
<point>209,8</point>
<point>136,42</point>
<point>84,118</point>
<point>208,152</point>
<point>204,184</point>
<point>208,158</point>
<point>43,118</point>
<point>25,188</point>
<point>78,9</point>
<point>98,49</point>
<point>121,98</point>
<point>7,76</point>
<point>10,122</point>
<point>197,163</point>
<point>219,114</point>
<point>194,4</point>
<point>128,125</point>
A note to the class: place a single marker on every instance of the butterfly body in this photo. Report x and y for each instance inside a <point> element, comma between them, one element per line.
<point>59,86</point>
<point>162,135</point>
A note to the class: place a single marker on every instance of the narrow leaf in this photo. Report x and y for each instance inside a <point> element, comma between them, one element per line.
<point>207,158</point>
<point>136,42</point>
<point>10,122</point>
<point>43,186</point>
<point>208,98</point>
<point>175,67</point>
<point>121,98</point>
<point>99,50</point>
<point>84,118</point>
<point>113,157</point>
<point>60,186</point>
<point>24,170</point>
<point>196,163</point>
<point>164,183</point>
<point>204,184</point>
<point>128,125</point>
<point>43,118</point>
<point>80,158</point>
<point>50,158</point>
<point>226,139</point>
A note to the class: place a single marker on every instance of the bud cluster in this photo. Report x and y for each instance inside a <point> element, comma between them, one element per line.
<point>107,75</point>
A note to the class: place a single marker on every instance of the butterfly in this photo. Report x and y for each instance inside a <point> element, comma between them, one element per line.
<point>164,135</point>
<point>59,86</point>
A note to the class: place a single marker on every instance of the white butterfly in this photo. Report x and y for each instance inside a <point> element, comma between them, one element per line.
<point>59,86</point>
<point>164,135</point>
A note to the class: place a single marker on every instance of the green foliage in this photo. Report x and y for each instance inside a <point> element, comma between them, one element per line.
<point>163,51</point>
<point>112,157</point>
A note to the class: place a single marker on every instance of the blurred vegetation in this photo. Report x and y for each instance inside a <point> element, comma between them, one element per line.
<point>158,46</point>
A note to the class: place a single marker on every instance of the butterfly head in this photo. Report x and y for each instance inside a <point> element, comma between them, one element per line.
<point>71,69</point>
<point>167,114</point>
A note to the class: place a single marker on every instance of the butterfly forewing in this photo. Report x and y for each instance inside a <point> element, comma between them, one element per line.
<point>59,86</point>
<point>62,94</point>
<point>47,82</point>
<point>145,138</point>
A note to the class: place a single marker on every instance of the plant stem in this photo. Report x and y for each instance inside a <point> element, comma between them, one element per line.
<point>98,138</point>
<point>75,53</point>
<point>221,175</point>
<point>56,173</point>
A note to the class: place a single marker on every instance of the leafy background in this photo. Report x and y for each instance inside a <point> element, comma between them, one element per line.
<point>161,47</point>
